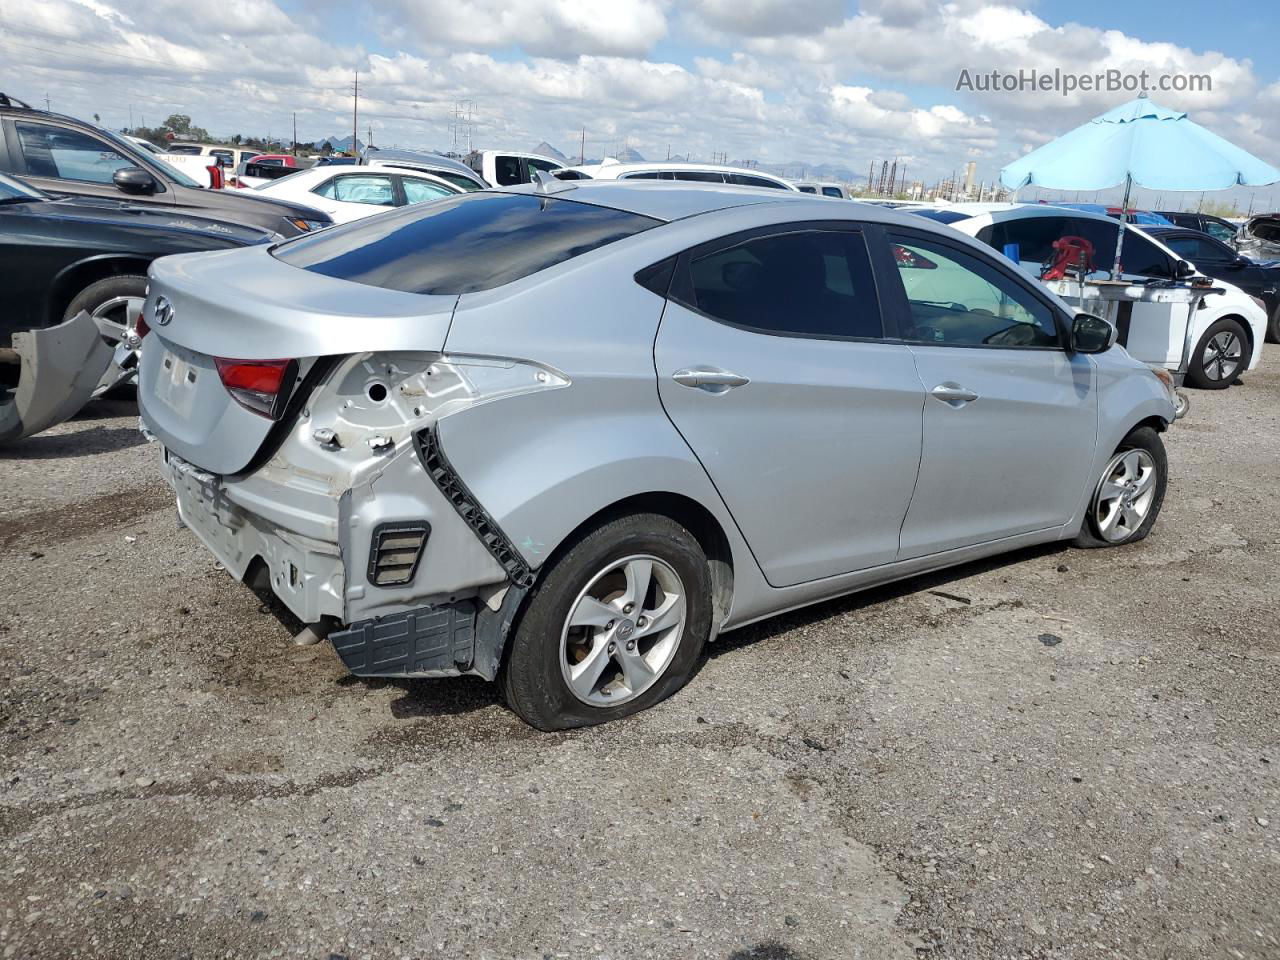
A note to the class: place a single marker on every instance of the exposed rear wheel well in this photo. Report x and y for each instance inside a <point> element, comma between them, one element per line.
<point>690,514</point>
<point>76,278</point>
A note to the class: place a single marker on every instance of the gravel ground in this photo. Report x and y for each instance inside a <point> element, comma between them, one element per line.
<point>1061,754</point>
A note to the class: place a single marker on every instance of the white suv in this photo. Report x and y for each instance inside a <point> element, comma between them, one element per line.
<point>1226,334</point>
<point>611,169</point>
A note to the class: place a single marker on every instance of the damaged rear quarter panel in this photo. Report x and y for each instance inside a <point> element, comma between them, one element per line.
<point>546,462</point>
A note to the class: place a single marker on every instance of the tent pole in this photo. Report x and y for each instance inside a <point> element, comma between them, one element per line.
<point>1124,212</point>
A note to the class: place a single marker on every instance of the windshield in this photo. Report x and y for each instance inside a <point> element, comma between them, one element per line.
<point>11,191</point>
<point>469,242</point>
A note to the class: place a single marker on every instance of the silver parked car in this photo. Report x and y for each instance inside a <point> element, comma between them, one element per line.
<point>563,435</point>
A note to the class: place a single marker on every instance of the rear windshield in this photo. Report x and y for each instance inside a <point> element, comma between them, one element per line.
<point>461,244</point>
<point>942,216</point>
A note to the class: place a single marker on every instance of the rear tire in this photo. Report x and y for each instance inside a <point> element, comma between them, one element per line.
<point>1220,357</point>
<point>585,650</point>
<point>1128,495</point>
<point>114,303</point>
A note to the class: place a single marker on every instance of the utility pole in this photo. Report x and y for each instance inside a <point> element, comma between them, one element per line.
<point>582,148</point>
<point>131,118</point>
<point>355,114</point>
<point>46,101</point>
<point>369,142</point>
<point>295,133</point>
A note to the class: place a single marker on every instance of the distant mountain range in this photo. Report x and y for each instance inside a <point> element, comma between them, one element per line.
<point>338,143</point>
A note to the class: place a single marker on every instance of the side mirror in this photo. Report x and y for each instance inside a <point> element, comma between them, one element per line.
<point>134,180</point>
<point>1090,334</point>
<point>1182,269</point>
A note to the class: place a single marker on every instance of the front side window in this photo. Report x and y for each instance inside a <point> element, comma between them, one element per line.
<point>1198,248</point>
<point>1140,256</point>
<point>461,244</point>
<point>420,191</point>
<point>68,154</point>
<point>810,283</point>
<point>546,166</point>
<point>831,192</point>
<point>371,189</point>
<point>956,299</point>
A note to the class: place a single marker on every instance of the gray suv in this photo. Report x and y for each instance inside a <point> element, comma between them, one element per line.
<point>563,435</point>
<point>64,156</point>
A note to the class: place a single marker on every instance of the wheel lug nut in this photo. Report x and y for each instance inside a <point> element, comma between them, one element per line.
<point>642,621</point>
<point>609,625</point>
<point>631,645</point>
<point>628,608</point>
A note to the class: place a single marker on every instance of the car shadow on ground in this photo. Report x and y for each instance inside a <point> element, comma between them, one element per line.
<point>937,581</point>
<point>453,696</point>
<point>81,443</point>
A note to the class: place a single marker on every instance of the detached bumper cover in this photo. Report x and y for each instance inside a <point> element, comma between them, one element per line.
<point>60,368</point>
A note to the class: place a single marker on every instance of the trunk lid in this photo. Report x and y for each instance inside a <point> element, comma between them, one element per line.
<point>246,305</point>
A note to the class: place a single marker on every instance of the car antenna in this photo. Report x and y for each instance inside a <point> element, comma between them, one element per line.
<point>544,182</point>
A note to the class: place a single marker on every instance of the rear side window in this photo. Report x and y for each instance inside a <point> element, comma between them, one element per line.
<point>810,283</point>
<point>506,171</point>
<point>746,180</point>
<point>700,176</point>
<point>461,244</point>
<point>828,191</point>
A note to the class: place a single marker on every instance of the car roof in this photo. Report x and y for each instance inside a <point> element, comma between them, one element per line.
<point>624,167</point>
<point>417,156</point>
<point>669,200</point>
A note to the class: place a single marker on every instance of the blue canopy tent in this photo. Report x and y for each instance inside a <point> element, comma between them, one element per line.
<point>1139,142</point>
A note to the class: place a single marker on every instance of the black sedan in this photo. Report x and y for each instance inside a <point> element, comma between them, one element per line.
<point>73,277</point>
<point>1216,259</point>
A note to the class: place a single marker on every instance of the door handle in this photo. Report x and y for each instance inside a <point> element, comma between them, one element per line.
<point>953,394</point>
<point>710,379</point>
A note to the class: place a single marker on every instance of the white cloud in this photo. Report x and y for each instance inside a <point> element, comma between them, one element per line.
<point>800,81</point>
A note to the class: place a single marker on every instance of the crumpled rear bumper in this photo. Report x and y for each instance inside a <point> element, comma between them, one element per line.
<point>306,574</point>
<point>60,368</point>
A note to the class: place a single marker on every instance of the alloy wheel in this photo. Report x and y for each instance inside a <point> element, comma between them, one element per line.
<point>117,321</point>
<point>623,630</point>
<point>1221,358</point>
<point>1124,497</point>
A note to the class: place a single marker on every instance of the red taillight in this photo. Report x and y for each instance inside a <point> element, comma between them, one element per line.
<point>262,386</point>
<point>215,177</point>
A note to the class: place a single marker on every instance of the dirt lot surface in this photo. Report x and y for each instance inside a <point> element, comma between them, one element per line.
<point>1061,754</point>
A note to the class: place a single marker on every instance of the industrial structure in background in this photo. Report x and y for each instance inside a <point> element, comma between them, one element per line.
<point>891,181</point>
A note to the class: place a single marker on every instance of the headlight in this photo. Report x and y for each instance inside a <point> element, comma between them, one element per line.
<point>1170,389</point>
<point>306,226</point>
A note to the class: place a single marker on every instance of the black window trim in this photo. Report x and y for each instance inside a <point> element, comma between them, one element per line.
<point>681,286</point>
<point>897,293</point>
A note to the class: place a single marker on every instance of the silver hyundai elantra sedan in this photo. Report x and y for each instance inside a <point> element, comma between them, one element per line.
<point>561,436</point>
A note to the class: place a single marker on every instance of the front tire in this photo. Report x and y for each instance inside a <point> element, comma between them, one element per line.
<point>616,625</point>
<point>1219,357</point>
<point>1273,326</point>
<point>1127,497</point>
